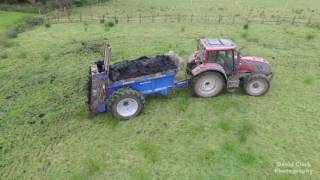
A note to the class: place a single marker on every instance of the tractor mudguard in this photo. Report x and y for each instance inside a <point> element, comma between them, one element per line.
<point>209,67</point>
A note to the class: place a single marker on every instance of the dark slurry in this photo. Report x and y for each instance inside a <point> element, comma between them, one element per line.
<point>140,67</point>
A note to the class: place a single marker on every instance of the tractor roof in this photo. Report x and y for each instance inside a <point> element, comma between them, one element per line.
<point>218,44</point>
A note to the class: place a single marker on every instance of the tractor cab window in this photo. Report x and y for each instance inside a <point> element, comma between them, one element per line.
<point>224,57</point>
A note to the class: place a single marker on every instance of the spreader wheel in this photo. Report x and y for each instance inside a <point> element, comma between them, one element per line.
<point>256,85</point>
<point>126,103</point>
<point>208,84</point>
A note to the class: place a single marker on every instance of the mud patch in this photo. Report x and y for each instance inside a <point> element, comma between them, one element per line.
<point>141,67</point>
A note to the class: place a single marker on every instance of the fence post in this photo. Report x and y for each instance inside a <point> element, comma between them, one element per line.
<point>128,19</point>
<point>103,18</point>
<point>152,18</point>
<point>91,17</point>
<point>293,20</point>
<point>178,18</point>
<point>220,18</point>
<point>140,19</point>
<point>233,19</point>
<point>262,21</point>
<point>80,17</point>
<point>115,19</point>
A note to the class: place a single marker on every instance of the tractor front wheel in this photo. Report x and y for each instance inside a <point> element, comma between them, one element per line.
<point>126,103</point>
<point>256,85</point>
<point>208,84</point>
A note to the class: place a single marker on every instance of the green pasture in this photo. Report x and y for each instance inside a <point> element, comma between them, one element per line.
<point>47,133</point>
<point>8,18</point>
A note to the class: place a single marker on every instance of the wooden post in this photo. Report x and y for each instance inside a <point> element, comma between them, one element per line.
<point>140,19</point>
<point>128,19</point>
<point>293,20</point>
<point>220,18</point>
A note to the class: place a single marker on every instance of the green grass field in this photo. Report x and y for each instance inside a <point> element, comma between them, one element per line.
<point>10,18</point>
<point>46,132</point>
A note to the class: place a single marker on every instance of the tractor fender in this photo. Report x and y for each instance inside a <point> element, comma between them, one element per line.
<point>209,67</point>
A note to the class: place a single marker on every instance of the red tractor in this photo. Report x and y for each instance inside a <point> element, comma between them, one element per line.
<point>218,64</point>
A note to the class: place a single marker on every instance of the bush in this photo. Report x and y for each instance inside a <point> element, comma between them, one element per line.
<point>34,21</point>
<point>47,24</point>
<point>12,33</point>
<point>246,26</point>
<point>110,24</point>
<point>79,3</point>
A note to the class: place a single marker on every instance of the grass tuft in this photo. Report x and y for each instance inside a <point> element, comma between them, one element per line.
<point>244,35</point>
<point>230,146</point>
<point>245,130</point>
<point>4,55</point>
<point>308,80</point>
<point>247,157</point>
<point>310,36</point>
<point>150,152</point>
<point>224,125</point>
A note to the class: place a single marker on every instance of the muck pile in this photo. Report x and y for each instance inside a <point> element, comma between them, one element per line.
<point>141,67</point>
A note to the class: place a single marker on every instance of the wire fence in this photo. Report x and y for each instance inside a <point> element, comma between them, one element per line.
<point>143,19</point>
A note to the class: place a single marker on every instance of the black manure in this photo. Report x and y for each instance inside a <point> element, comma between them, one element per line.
<point>140,67</point>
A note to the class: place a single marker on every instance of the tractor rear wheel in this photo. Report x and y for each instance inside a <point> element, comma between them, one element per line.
<point>208,84</point>
<point>256,85</point>
<point>126,103</point>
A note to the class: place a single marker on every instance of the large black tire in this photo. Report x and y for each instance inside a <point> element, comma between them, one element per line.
<point>126,103</point>
<point>256,85</point>
<point>208,84</point>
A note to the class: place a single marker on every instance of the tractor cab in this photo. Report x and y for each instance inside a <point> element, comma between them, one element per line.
<point>218,51</point>
<point>217,64</point>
